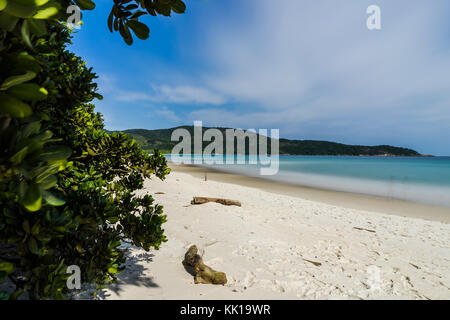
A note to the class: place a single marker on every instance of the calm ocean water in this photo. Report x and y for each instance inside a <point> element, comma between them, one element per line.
<point>419,179</point>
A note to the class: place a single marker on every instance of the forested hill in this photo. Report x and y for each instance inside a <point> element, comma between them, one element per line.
<point>160,139</point>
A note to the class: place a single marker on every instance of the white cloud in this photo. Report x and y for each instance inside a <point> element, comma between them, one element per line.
<point>106,83</point>
<point>298,53</point>
<point>167,114</point>
<point>132,96</point>
<point>188,94</point>
<point>183,94</point>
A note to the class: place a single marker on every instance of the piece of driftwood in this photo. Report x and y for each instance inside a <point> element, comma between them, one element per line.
<point>363,229</point>
<point>317,264</point>
<point>203,273</point>
<point>225,202</point>
<point>159,192</point>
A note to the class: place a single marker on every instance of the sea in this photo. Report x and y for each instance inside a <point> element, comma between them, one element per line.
<point>417,179</point>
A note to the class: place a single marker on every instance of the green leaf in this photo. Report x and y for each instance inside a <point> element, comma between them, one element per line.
<point>98,96</point>
<point>31,128</point>
<point>25,63</point>
<point>110,20</point>
<point>60,229</point>
<point>13,107</point>
<point>26,226</point>
<point>31,3</point>
<point>163,9</point>
<point>35,229</point>
<point>46,13</point>
<point>33,198</point>
<point>51,199</point>
<point>137,14</point>
<point>7,21</point>
<point>19,156</point>
<point>15,80</point>
<point>178,6</point>
<point>43,136</point>
<point>7,267</point>
<point>85,4</point>
<point>25,32</point>
<point>149,7</point>
<point>43,173</point>
<point>32,245</point>
<point>48,182</point>
<point>3,4</point>
<point>112,270</point>
<point>113,219</point>
<point>37,27</point>
<point>139,29</point>
<point>56,153</point>
<point>23,186</point>
<point>126,34</point>
<point>28,91</point>
<point>15,9</point>
<point>131,7</point>
<point>116,24</point>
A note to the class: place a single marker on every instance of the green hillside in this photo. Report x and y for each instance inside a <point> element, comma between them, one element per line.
<point>160,139</point>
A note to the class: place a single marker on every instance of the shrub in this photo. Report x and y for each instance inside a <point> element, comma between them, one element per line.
<point>67,187</point>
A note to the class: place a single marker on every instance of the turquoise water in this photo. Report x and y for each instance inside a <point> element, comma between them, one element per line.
<point>431,171</point>
<point>420,179</point>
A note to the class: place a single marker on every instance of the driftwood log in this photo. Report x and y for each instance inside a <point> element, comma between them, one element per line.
<point>203,273</point>
<point>225,202</point>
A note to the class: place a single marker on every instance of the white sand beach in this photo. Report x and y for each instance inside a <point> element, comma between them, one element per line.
<point>281,246</point>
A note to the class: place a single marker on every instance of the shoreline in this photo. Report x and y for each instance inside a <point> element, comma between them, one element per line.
<point>356,201</point>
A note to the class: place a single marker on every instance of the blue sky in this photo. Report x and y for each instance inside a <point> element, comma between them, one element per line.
<point>310,68</point>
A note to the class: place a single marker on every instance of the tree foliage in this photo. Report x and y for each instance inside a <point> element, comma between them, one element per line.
<point>161,139</point>
<point>125,15</point>
<point>67,187</point>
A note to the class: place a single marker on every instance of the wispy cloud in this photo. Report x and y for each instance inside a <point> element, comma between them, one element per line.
<point>287,57</point>
<point>167,114</point>
<point>133,96</point>
<point>188,94</point>
<point>182,94</point>
<point>107,83</point>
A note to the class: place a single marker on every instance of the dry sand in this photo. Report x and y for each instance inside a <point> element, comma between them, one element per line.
<point>289,244</point>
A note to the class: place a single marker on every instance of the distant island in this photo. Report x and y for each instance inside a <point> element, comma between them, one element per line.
<point>160,139</point>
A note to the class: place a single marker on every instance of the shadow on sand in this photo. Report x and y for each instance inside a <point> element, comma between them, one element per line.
<point>134,274</point>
